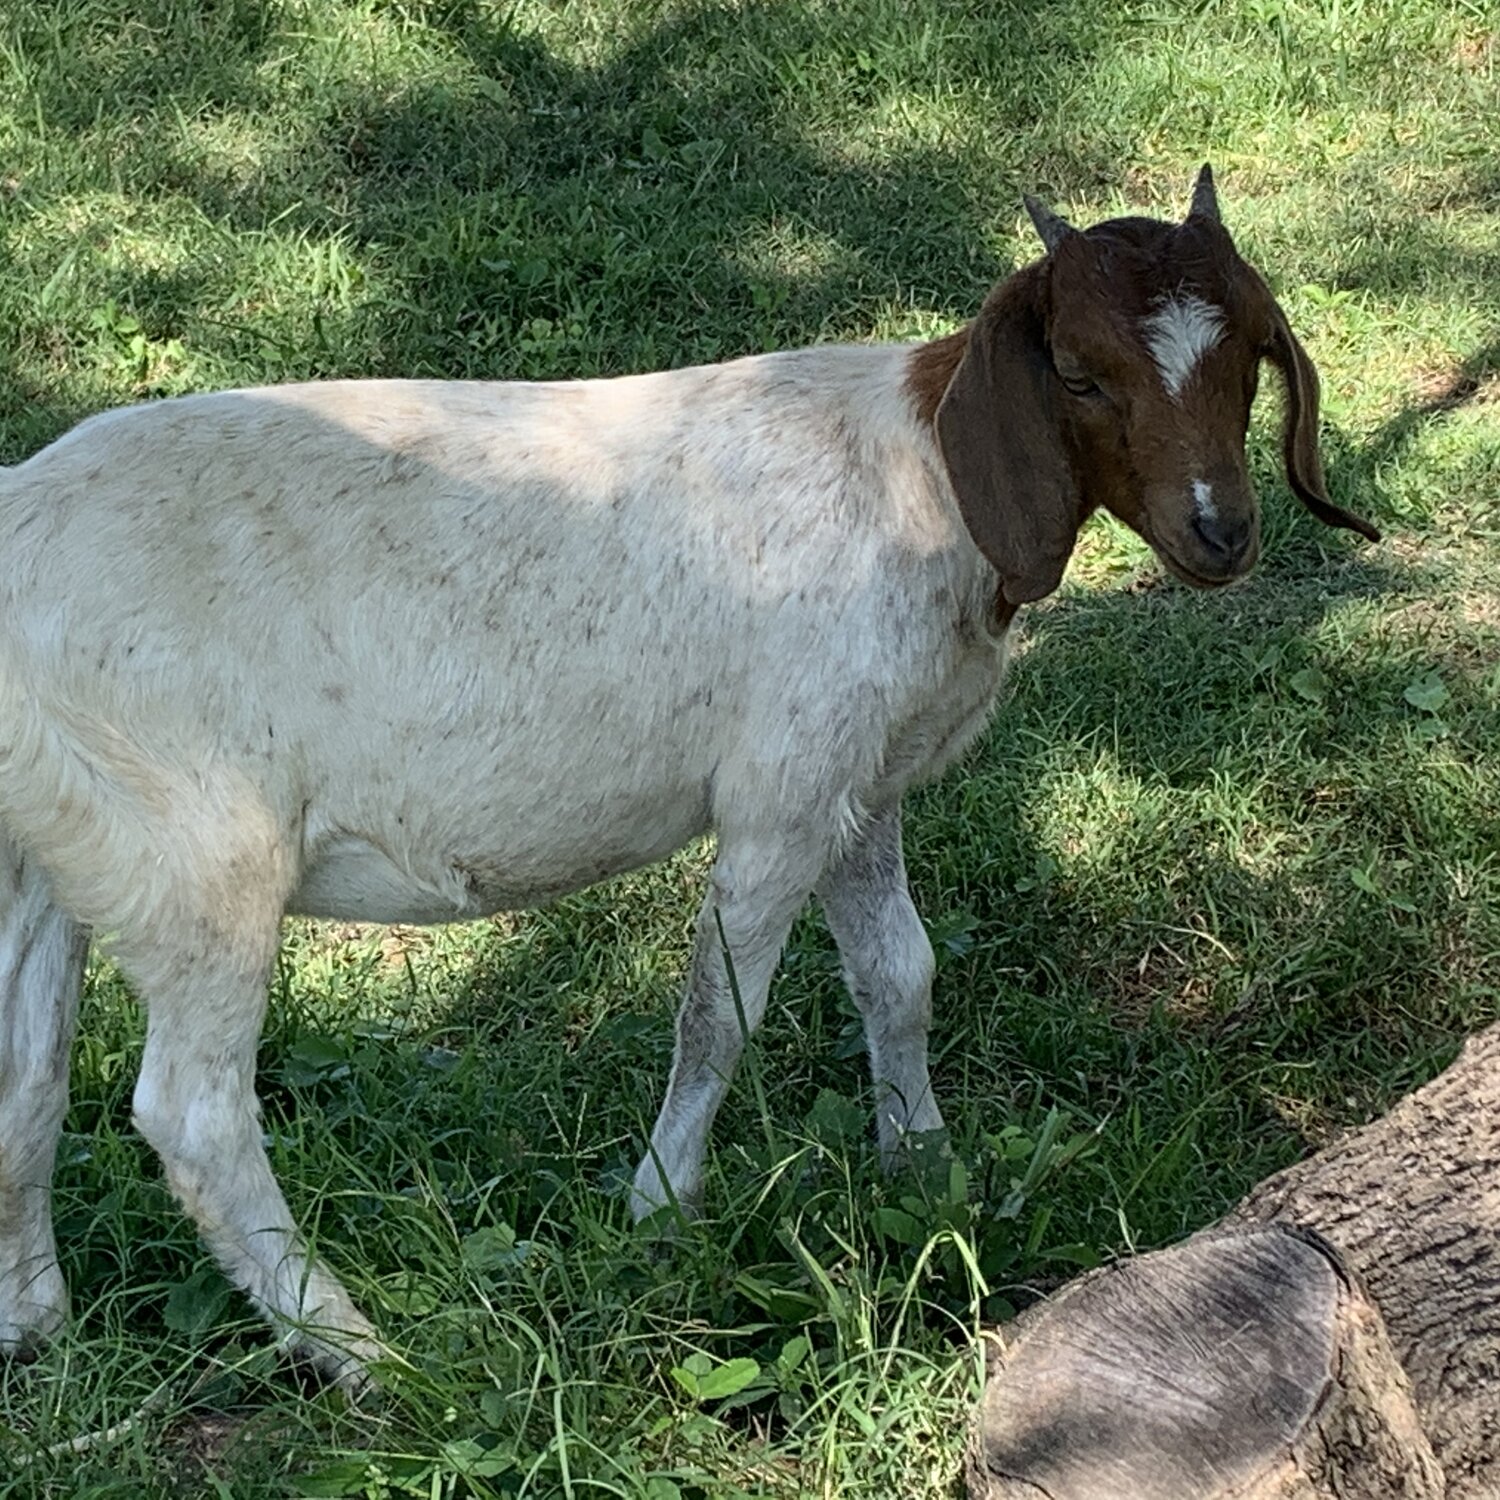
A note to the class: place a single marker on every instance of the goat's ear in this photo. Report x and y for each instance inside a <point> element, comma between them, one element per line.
<point>1002,448</point>
<point>1304,468</point>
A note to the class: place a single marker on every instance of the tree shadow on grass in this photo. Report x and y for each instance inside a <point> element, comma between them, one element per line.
<point>1475,378</point>
<point>514,210</point>
<point>671,202</point>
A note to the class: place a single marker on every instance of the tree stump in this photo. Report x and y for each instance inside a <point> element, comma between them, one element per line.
<point>1337,1336</point>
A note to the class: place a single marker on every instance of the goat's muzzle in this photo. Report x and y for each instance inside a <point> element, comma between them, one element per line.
<point>1226,541</point>
<point>1205,544</point>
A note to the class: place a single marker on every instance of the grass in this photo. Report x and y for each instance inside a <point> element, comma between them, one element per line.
<point>1223,879</point>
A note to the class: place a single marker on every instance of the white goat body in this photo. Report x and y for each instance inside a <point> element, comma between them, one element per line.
<point>406,651</point>
<point>452,648</point>
<point>419,651</point>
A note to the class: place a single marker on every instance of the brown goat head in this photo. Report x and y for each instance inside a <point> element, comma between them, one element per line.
<point>1119,372</point>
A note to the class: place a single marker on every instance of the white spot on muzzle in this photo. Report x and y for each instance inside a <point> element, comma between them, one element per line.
<point>1203,498</point>
<point>1179,334</point>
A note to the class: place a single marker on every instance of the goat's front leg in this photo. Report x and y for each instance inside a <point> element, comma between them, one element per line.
<point>41,969</point>
<point>888,966</point>
<point>755,893</point>
<point>195,1103</point>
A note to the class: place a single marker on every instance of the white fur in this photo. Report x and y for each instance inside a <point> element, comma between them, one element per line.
<point>41,966</point>
<point>1179,333</point>
<point>1203,500</point>
<point>418,651</point>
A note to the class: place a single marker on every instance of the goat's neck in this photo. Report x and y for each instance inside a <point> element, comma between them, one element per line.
<point>929,369</point>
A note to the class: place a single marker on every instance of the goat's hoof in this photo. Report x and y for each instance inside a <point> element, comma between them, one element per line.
<point>659,1234</point>
<point>924,1154</point>
<point>652,1217</point>
<point>30,1322</point>
<point>343,1363</point>
<point>23,1344</point>
<point>655,1206</point>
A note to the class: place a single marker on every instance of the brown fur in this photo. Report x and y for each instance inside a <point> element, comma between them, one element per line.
<point>997,429</point>
<point>1304,467</point>
<point>1030,457</point>
<point>930,369</point>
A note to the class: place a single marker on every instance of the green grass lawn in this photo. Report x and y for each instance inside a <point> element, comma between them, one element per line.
<point>1223,879</point>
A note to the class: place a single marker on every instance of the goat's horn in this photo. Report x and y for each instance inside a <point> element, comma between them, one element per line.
<point>1053,228</point>
<point>1205,202</point>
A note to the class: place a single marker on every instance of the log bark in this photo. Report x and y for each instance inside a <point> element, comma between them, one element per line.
<point>1413,1204</point>
<point>1337,1336</point>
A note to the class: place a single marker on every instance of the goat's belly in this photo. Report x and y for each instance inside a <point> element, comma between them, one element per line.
<point>354,877</point>
<point>356,880</point>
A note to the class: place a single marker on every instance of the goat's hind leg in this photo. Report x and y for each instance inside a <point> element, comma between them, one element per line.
<point>195,1103</point>
<point>41,969</point>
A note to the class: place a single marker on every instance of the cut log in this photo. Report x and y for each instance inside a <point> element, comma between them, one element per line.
<point>1338,1336</point>
<point>1413,1204</point>
<point>1242,1364</point>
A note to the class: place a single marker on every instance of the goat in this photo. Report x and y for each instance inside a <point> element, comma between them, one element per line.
<point>422,651</point>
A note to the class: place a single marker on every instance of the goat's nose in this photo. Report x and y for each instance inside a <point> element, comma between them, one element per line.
<point>1226,537</point>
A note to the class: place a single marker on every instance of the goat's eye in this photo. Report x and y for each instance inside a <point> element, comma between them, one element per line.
<point>1080,385</point>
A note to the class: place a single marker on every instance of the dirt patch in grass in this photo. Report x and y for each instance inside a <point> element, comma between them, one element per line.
<point>1162,979</point>
<point>1448,388</point>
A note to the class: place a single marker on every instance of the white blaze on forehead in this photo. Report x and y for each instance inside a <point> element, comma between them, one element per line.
<point>1179,333</point>
<point>1203,498</point>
